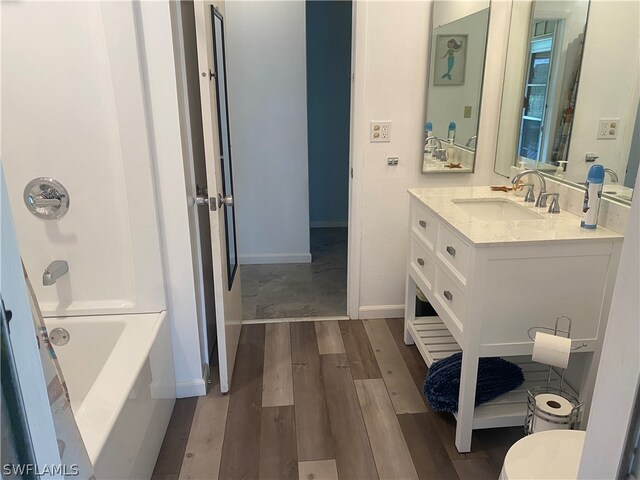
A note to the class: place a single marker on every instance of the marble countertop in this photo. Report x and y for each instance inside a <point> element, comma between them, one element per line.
<point>463,156</point>
<point>435,166</point>
<point>562,227</point>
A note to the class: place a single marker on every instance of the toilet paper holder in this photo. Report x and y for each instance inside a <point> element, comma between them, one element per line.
<point>556,331</point>
<point>548,417</point>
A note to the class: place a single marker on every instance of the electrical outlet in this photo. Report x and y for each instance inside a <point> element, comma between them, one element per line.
<point>380,132</point>
<point>608,128</point>
<point>393,161</point>
<point>467,111</point>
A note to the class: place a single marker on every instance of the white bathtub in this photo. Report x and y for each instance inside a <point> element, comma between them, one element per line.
<point>121,382</point>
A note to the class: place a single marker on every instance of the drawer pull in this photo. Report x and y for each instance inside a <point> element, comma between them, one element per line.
<point>451,251</point>
<point>423,224</point>
<point>420,262</point>
<point>448,295</point>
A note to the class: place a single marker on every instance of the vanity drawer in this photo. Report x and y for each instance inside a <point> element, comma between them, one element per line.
<point>449,293</point>
<point>424,224</point>
<point>454,253</point>
<point>423,262</point>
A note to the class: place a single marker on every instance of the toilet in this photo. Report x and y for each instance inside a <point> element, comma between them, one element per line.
<point>554,454</point>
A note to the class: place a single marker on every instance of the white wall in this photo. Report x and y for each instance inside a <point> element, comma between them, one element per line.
<point>447,11</point>
<point>82,122</point>
<point>266,69</point>
<point>619,370</point>
<point>108,128</point>
<point>611,55</point>
<point>446,103</point>
<point>392,45</point>
<point>172,178</point>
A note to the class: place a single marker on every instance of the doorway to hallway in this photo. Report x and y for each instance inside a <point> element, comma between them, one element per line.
<point>290,89</point>
<point>296,290</point>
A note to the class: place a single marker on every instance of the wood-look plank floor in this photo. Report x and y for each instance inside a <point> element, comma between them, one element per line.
<point>331,401</point>
<point>310,404</point>
<point>277,385</point>
<point>204,445</point>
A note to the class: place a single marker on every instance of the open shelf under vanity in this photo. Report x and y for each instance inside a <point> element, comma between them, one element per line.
<point>435,342</point>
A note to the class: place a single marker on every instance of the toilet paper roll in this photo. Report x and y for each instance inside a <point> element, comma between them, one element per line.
<point>548,404</point>
<point>551,349</point>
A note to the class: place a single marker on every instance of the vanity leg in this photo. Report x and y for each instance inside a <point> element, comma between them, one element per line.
<point>466,401</point>
<point>409,308</point>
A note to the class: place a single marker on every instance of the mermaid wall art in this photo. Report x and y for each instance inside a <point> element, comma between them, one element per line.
<point>450,61</point>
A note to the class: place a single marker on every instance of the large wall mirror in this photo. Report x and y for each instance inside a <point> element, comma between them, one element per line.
<point>570,95</point>
<point>458,49</point>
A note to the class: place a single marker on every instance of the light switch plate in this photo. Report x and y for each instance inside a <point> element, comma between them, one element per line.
<point>380,132</point>
<point>467,111</point>
<point>608,128</point>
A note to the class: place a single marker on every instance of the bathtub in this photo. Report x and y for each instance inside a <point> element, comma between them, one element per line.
<point>121,383</point>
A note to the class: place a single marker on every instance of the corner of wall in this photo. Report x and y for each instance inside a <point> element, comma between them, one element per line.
<point>391,56</point>
<point>171,194</point>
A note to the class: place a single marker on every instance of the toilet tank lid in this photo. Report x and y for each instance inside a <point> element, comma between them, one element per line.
<point>551,454</point>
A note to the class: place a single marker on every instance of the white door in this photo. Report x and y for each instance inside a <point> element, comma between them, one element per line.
<point>218,198</point>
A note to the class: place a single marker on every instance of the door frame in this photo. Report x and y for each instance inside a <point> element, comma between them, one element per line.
<point>358,137</point>
<point>357,142</point>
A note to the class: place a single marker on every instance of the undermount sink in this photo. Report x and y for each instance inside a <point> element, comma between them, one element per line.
<point>496,209</point>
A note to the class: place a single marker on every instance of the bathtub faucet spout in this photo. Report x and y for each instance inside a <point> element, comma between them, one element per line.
<point>54,271</point>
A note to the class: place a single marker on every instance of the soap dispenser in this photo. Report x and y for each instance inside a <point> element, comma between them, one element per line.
<point>561,168</point>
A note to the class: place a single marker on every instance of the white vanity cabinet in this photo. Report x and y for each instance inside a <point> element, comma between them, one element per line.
<point>490,281</point>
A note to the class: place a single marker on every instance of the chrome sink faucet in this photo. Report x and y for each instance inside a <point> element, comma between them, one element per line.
<point>529,197</point>
<point>554,206</point>
<point>472,139</point>
<point>612,174</point>
<point>54,271</point>
<point>433,150</point>
<point>543,184</point>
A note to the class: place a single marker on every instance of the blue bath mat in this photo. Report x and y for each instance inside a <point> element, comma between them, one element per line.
<point>495,377</point>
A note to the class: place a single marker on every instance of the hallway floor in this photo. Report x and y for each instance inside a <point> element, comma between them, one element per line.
<point>294,290</point>
<point>324,400</point>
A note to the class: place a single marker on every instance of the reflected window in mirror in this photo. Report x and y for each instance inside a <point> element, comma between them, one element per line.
<point>536,94</point>
<point>454,90</point>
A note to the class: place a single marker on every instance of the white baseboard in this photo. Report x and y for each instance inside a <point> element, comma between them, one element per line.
<point>191,388</point>
<point>328,224</point>
<point>381,311</point>
<point>265,258</point>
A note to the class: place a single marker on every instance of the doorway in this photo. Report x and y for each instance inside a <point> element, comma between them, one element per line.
<point>289,66</point>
